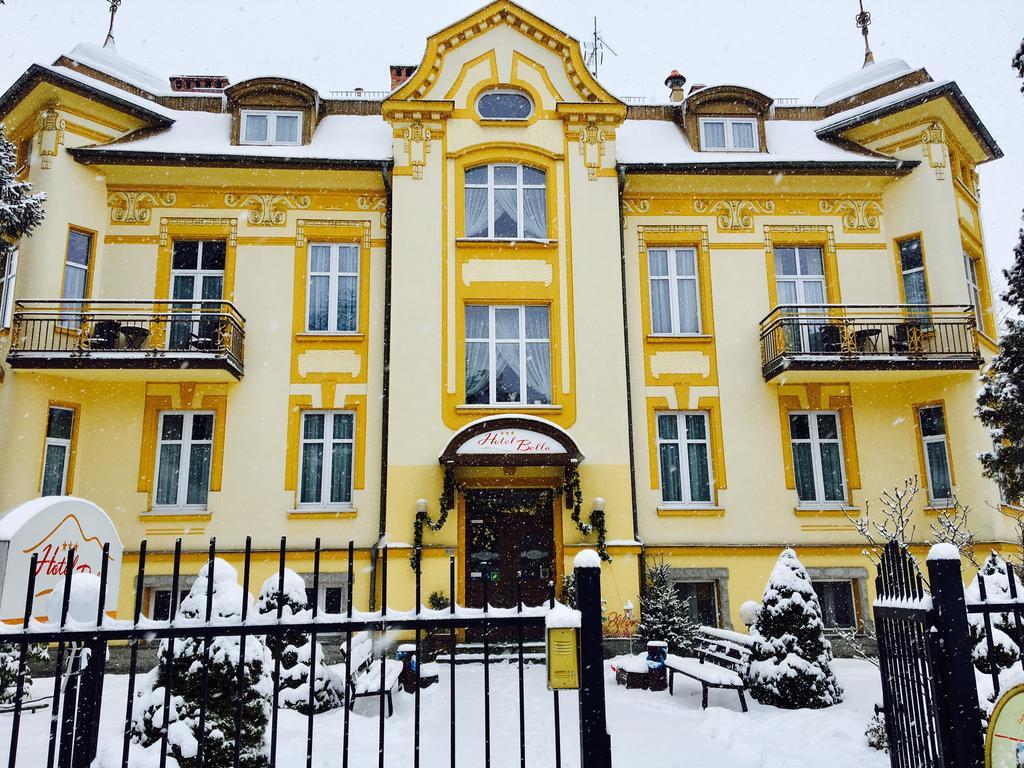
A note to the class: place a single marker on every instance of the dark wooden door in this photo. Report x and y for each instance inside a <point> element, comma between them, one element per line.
<point>510,546</point>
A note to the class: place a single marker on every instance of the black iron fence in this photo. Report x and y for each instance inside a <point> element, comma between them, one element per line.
<point>929,692</point>
<point>79,652</point>
<point>127,334</point>
<point>868,335</point>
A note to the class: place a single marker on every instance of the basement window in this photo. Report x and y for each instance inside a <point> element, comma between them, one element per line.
<point>270,127</point>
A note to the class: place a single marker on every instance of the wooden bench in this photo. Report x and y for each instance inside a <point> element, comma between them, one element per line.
<point>365,672</point>
<point>721,661</point>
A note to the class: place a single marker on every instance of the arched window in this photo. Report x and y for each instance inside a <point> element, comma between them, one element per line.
<point>506,202</point>
<point>504,105</point>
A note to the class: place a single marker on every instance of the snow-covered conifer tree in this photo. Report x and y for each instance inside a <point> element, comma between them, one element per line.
<point>791,664</point>
<point>294,649</point>
<point>10,655</point>
<point>1006,638</point>
<point>20,210</point>
<point>186,676</point>
<point>662,614</point>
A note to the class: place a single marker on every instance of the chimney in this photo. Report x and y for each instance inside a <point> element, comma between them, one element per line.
<point>400,73</point>
<point>675,83</point>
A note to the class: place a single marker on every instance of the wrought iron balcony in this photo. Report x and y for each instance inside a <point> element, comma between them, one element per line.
<point>73,334</point>
<point>801,337</point>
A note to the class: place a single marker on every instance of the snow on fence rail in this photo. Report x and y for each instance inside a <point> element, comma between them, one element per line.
<point>248,658</point>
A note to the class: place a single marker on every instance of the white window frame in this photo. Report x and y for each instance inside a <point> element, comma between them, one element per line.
<point>7,281</point>
<point>682,442</point>
<point>184,458</point>
<point>520,187</point>
<point>974,290</point>
<point>504,91</point>
<point>72,319</point>
<point>492,342</point>
<point>333,275</point>
<point>674,279</point>
<point>327,458</point>
<point>815,442</point>
<point>728,123</point>
<point>271,115</point>
<point>60,442</point>
<point>927,440</point>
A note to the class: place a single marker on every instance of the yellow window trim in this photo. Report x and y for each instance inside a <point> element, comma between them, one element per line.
<point>899,265</point>
<point>712,405</point>
<point>816,397</point>
<point>90,266</point>
<point>668,241</point>
<point>919,441</point>
<point>976,253</point>
<point>297,406</point>
<point>195,229</point>
<point>803,237</point>
<point>75,408</point>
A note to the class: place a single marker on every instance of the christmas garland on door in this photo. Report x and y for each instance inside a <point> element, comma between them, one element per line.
<point>570,487</point>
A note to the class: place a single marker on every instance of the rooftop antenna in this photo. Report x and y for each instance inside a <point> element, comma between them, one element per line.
<point>114,5</point>
<point>864,21</point>
<point>595,50</point>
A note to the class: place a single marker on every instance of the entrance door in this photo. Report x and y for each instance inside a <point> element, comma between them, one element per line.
<point>509,544</point>
<point>197,275</point>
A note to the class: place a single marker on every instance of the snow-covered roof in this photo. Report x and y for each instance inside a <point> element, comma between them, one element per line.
<point>659,141</point>
<point>111,90</point>
<point>108,61</point>
<point>336,137</point>
<point>869,77</point>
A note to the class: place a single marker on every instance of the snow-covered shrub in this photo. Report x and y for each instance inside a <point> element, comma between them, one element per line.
<point>875,733</point>
<point>662,614</point>
<point>294,649</point>
<point>568,592</point>
<point>438,601</point>
<point>791,663</point>
<point>10,655</point>
<point>222,670</point>
<point>1006,638</point>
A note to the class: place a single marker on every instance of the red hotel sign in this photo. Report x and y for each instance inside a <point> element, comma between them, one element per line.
<point>506,441</point>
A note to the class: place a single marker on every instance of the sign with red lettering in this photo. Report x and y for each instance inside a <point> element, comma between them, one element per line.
<point>50,528</point>
<point>504,441</point>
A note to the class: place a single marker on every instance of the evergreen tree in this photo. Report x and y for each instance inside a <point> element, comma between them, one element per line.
<point>221,668</point>
<point>662,614</point>
<point>1001,400</point>
<point>294,649</point>
<point>791,663</point>
<point>10,656</point>
<point>1007,640</point>
<point>20,210</point>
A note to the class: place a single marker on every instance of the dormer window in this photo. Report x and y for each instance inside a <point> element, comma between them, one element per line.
<point>271,127</point>
<point>504,105</point>
<point>728,134</point>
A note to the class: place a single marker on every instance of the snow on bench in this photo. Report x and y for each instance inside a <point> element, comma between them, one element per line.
<point>722,658</point>
<point>365,671</point>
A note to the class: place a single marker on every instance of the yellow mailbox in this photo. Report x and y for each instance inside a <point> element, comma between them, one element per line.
<point>563,658</point>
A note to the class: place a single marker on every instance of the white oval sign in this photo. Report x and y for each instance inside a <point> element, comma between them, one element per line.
<point>49,527</point>
<point>503,441</point>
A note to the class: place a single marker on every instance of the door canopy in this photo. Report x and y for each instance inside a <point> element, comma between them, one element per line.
<point>501,441</point>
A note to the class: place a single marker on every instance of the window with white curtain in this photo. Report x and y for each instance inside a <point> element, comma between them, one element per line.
<point>508,355</point>
<point>332,291</point>
<point>327,450</point>
<point>973,291</point>
<point>76,276</point>
<point>932,420</point>
<point>507,202</point>
<point>675,293</point>
<point>60,424</point>
<point>915,283</point>
<point>8,272</point>
<point>685,457</point>
<point>816,439</point>
<point>184,457</point>
<point>260,126</point>
<point>738,134</point>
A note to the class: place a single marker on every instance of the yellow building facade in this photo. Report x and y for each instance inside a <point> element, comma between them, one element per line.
<point>704,329</point>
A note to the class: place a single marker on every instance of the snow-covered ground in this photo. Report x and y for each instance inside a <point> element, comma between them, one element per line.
<point>649,729</point>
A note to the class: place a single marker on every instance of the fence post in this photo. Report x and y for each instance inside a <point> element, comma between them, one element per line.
<point>959,715</point>
<point>595,743</point>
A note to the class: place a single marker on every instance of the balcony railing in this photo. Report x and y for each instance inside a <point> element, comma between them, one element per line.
<point>868,336</point>
<point>127,334</point>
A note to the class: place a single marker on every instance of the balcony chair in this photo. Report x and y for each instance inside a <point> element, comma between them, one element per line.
<point>106,334</point>
<point>831,338</point>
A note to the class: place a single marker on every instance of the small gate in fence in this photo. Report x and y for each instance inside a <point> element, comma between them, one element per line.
<point>929,689</point>
<point>80,651</point>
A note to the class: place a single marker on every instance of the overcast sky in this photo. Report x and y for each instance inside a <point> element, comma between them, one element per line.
<point>785,48</point>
